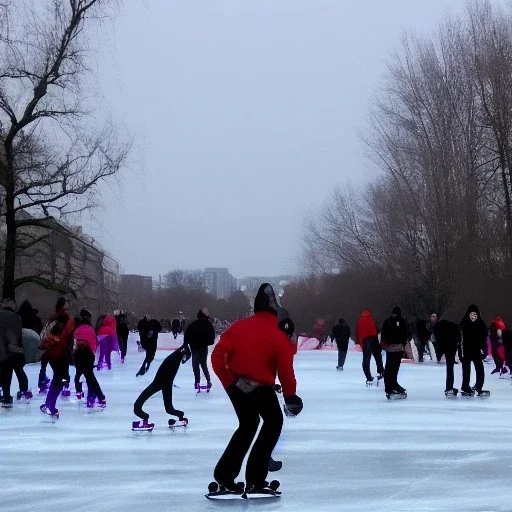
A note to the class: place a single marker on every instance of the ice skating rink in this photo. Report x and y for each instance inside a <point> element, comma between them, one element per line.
<point>349,450</point>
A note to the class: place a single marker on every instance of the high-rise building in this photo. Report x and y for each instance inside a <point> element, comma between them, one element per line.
<point>219,282</point>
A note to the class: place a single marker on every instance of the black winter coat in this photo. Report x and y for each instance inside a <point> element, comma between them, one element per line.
<point>394,331</point>
<point>341,334</point>
<point>474,335</point>
<point>199,334</point>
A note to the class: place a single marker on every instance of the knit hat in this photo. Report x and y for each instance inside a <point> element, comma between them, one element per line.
<point>396,311</point>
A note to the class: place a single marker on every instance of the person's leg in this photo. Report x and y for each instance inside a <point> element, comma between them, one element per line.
<point>101,360</point>
<point>59,367</point>
<point>377,354</point>
<point>342,355</point>
<point>367,354</point>
<point>397,363</point>
<point>203,361</point>
<point>123,347</point>
<point>391,371</point>
<point>480,372</point>
<point>466,373</point>
<point>18,365</point>
<point>42,371</point>
<point>267,405</point>
<point>169,408</point>
<point>6,378</point>
<point>230,463</point>
<point>450,362</point>
<point>141,400</point>
<point>93,386</point>
<point>109,343</point>
<point>196,356</point>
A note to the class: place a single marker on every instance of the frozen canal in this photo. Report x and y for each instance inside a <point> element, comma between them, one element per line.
<point>349,450</point>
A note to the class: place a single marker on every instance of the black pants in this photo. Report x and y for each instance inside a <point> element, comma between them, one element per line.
<point>476,359</point>
<point>393,360</point>
<point>420,345</point>
<point>123,346</point>
<point>150,356</point>
<point>249,407</point>
<point>449,352</point>
<point>60,367</point>
<point>342,355</point>
<point>199,359</point>
<point>42,371</point>
<point>371,348</point>
<point>153,388</point>
<point>84,364</point>
<point>13,363</point>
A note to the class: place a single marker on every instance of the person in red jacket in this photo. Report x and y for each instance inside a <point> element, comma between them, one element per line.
<point>367,338</point>
<point>247,359</point>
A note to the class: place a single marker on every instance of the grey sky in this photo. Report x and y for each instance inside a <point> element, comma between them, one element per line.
<point>246,114</point>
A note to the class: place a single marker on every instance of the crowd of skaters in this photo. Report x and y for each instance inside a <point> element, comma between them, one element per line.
<point>63,341</point>
<point>470,341</point>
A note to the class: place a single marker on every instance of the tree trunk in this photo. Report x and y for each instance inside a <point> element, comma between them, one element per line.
<point>10,248</point>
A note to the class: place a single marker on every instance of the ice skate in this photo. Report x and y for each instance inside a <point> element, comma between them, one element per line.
<point>227,491</point>
<point>6,402</point>
<point>379,378</point>
<point>24,397</point>
<point>65,391</point>
<point>396,395</point>
<point>45,410</point>
<point>468,392</point>
<point>263,490</point>
<point>483,393</point>
<point>339,368</point>
<point>503,372</point>
<point>101,404</point>
<point>172,424</point>
<point>370,382</point>
<point>142,426</point>
<point>451,393</point>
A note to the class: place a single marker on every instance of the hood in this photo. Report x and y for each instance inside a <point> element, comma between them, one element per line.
<point>341,321</point>
<point>396,311</point>
<point>201,315</point>
<point>366,313</point>
<point>473,308</point>
<point>265,300</point>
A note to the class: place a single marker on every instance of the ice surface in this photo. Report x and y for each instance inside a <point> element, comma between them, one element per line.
<point>349,450</point>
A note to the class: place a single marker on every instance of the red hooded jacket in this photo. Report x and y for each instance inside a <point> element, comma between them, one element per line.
<point>255,348</point>
<point>366,327</point>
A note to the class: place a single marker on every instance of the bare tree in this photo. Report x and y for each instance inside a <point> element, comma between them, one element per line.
<point>441,133</point>
<point>53,159</point>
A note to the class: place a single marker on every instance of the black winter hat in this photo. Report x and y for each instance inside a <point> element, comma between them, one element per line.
<point>266,299</point>
<point>84,313</point>
<point>396,311</point>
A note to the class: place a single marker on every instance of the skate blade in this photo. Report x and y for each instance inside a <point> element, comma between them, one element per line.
<point>223,495</point>
<point>451,397</point>
<point>261,495</point>
<point>142,430</point>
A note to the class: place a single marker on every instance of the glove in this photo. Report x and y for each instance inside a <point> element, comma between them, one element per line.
<point>292,405</point>
<point>277,388</point>
<point>185,354</point>
<point>287,327</point>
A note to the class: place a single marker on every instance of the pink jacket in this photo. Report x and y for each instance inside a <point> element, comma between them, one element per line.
<point>85,336</point>
<point>108,326</point>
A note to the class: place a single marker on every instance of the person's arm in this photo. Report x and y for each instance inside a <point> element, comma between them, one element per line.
<point>220,359</point>
<point>285,370</point>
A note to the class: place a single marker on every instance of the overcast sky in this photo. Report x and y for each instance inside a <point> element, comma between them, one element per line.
<point>245,115</point>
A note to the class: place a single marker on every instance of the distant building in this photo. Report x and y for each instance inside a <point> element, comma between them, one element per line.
<point>71,261</point>
<point>219,282</point>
